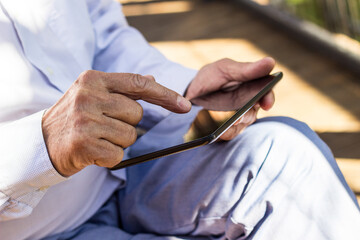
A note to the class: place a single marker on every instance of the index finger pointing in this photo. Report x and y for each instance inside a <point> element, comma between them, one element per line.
<point>138,87</point>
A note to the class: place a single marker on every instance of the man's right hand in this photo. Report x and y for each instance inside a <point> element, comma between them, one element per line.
<point>95,119</point>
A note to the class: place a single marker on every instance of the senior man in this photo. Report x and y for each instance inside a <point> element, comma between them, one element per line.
<point>71,72</point>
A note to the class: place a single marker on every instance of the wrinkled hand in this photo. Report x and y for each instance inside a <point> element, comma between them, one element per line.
<point>226,73</point>
<point>95,119</point>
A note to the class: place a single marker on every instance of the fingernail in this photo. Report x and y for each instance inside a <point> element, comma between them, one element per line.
<point>183,103</point>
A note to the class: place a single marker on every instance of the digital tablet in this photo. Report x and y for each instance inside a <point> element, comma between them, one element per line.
<point>206,128</point>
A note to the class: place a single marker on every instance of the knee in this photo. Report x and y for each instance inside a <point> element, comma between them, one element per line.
<point>282,130</point>
<point>288,141</point>
<point>280,124</point>
<point>294,149</point>
<point>289,131</point>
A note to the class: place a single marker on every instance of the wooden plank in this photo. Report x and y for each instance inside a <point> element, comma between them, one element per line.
<point>315,37</point>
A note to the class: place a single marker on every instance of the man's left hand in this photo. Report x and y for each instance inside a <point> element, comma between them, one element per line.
<point>226,73</point>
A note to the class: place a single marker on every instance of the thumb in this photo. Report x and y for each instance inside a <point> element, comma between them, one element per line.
<point>243,72</point>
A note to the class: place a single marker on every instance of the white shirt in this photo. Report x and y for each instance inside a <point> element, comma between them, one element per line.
<point>44,46</point>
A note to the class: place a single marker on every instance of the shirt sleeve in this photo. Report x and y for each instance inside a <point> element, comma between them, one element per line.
<point>26,171</point>
<point>121,48</point>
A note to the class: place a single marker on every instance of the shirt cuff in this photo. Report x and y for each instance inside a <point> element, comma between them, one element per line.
<point>25,167</point>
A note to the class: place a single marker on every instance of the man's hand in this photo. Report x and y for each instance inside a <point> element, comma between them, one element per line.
<point>95,119</point>
<point>226,73</point>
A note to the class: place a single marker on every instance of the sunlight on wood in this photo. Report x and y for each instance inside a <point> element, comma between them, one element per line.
<point>351,170</point>
<point>134,1</point>
<point>351,45</point>
<point>158,8</point>
<point>262,2</point>
<point>294,96</point>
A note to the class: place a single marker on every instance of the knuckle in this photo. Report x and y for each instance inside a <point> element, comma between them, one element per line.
<point>81,97</point>
<point>115,157</point>
<point>83,123</point>
<point>113,153</point>
<point>131,136</point>
<point>150,77</point>
<point>120,155</point>
<point>139,82</point>
<point>102,98</point>
<point>225,66</point>
<point>81,130</point>
<point>139,112</point>
<point>87,77</point>
<point>80,121</point>
<point>166,93</point>
<point>169,97</point>
<point>224,61</point>
<point>110,157</point>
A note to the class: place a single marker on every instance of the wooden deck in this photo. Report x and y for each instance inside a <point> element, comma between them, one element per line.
<point>315,89</point>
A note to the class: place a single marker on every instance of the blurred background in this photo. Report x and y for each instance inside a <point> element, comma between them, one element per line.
<point>315,43</point>
<point>339,16</point>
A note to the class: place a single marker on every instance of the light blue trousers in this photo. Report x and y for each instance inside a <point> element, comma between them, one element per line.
<point>276,180</point>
